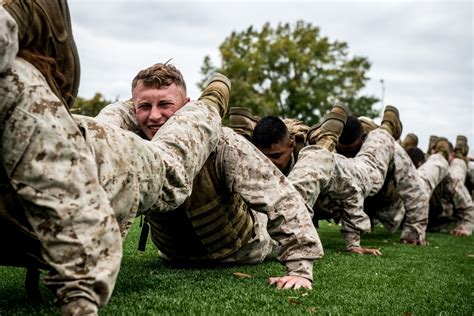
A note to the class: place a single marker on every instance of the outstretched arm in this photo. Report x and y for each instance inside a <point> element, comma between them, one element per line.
<point>265,189</point>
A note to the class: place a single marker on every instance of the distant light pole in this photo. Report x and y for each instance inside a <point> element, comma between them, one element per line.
<point>383,95</point>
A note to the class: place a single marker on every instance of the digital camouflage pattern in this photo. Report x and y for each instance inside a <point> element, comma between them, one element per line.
<point>433,171</point>
<point>44,26</point>
<point>53,162</point>
<point>338,185</point>
<point>451,201</point>
<point>51,168</point>
<point>410,200</point>
<point>245,171</point>
<point>140,175</point>
<point>462,200</point>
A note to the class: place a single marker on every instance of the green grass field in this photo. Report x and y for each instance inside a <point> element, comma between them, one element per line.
<point>405,280</point>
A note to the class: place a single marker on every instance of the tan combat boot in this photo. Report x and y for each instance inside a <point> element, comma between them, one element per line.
<point>391,121</point>
<point>217,93</point>
<point>46,24</point>
<point>242,121</point>
<point>431,144</point>
<point>461,149</point>
<point>442,146</point>
<point>368,124</point>
<point>326,133</point>
<point>411,140</point>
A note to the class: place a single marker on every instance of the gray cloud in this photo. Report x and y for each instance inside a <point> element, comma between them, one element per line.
<point>422,50</point>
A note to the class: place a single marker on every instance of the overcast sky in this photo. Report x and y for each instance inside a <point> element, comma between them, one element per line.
<point>423,50</point>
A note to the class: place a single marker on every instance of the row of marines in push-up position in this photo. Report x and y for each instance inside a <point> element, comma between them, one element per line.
<point>72,185</point>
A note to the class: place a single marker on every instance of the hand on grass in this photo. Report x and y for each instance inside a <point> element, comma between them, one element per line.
<point>365,251</point>
<point>460,232</point>
<point>290,282</point>
<point>414,242</point>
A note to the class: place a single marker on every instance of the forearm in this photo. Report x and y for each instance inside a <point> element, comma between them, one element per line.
<point>184,144</point>
<point>265,189</point>
<point>415,197</point>
<point>352,239</point>
<point>302,268</point>
<point>414,230</point>
<point>355,221</point>
<point>119,114</point>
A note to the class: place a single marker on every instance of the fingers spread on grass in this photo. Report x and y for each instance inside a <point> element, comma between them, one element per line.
<point>367,251</point>
<point>241,275</point>
<point>415,242</point>
<point>372,251</point>
<point>460,232</point>
<point>290,282</point>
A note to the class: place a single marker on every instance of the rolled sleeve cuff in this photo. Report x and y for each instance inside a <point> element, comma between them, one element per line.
<point>352,240</point>
<point>302,268</point>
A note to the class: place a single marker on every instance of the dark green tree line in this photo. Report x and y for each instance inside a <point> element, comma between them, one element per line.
<point>291,71</point>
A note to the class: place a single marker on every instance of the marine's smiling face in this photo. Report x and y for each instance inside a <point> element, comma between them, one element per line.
<point>153,107</point>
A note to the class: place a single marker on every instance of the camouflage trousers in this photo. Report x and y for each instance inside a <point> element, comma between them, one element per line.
<point>458,170</point>
<point>47,164</point>
<point>456,201</point>
<point>341,184</point>
<point>76,181</point>
<point>462,200</point>
<point>403,197</point>
<point>433,171</point>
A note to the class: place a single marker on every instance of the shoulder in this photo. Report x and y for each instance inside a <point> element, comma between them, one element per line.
<point>22,74</point>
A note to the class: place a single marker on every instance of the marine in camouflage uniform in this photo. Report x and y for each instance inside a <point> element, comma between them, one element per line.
<point>52,198</point>
<point>241,208</point>
<point>450,201</point>
<point>402,196</point>
<point>135,175</point>
<point>48,168</point>
<point>333,185</point>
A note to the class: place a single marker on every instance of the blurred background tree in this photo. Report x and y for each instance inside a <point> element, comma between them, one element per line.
<point>90,107</point>
<point>291,71</point>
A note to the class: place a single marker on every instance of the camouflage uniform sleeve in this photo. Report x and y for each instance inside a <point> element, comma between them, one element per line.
<point>354,220</point>
<point>265,189</point>
<point>52,169</point>
<point>346,191</point>
<point>310,178</point>
<point>433,171</point>
<point>8,38</point>
<point>184,143</point>
<point>120,114</point>
<point>412,192</point>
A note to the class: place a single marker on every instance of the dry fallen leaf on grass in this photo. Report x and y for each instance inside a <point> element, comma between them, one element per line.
<point>471,255</point>
<point>305,294</point>
<point>312,310</point>
<point>241,275</point>
<point>293,300</point>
